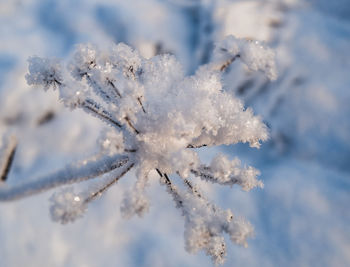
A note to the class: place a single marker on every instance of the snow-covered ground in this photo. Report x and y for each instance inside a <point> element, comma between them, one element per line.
<point>301,217</point>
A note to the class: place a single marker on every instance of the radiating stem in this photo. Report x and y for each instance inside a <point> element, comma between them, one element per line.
<point>131,125</point>
<point>99,91</point>
<point>71,174</point>
<point>141,104</point>
<point>192,188</point>
<point>105,187</point>
<point>90,106</point>
<point>172,190</point>
<point>114,88</point>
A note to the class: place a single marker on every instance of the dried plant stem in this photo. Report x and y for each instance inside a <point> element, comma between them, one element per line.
<point>97,109</point>
<point>172,190</point>
<point>204,173</point>
<point>90,106</point>
<point>127,119</point>
<point>5,166</point>
<point>105,187</point>
<point>114,87</point>
<point>141,104</point>
<point>192,188</point>
<point>228,63</point>
<point>196,146</point>
<point>99,90</point>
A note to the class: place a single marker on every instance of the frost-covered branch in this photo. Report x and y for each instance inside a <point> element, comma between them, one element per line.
<point>71,174</point>
<point>67,206</point>
<point>254,54</point>
<point>225,172</point>
<point>171,189</point>
<point>108,184</point>
<point>205,223</point>
<point>229,61</point>
<point>90,106</point>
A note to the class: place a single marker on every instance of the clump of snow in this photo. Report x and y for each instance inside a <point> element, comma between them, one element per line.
<point>223,171</point>
<point>135,202</point>
<point>66,206</point>
<point>253,53</point>
<point>44,72</point>
<point>111,142</point>
<point>124,57</point>
<point>205,224</point>
<point>83,61</point>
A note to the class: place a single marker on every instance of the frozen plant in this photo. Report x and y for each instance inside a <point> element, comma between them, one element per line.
<point>157,119</point>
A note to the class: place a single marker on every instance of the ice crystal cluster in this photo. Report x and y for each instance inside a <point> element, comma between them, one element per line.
<point>158,119</point>
<point>255,55</point>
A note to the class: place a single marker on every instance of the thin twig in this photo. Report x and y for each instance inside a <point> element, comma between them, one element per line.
<point>195,192</point>
<point>114,87</point>
<point>167,179</point>
<point>105,187</point>
<point>196,146</point>
<point>229,62</point>
<point>8,162</point>
<point>131,125</point>
<point>90,106</point>
<point>98,90</point>
<point>47,117</point>
<point>130,150</point>
<point>192,188</point>
<point>204,174</point>
<point>140,102</point>
<point>160,174</point>
<point>172,190</point>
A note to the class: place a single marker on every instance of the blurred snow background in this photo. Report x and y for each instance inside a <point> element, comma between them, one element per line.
<point>302,215</point>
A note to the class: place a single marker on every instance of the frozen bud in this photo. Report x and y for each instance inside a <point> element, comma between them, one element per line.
<point>223,171</point>
<point>259,57</point>
<point>45,72</point>
<point>199,237</point>
<point>239,230</point>
<point>66,206</point>
<point>84,59</point>
<point>73,94</point>
<point>135,202</point>
<point>124,57</point>
<point>253,53</point>
<point>221,167</point>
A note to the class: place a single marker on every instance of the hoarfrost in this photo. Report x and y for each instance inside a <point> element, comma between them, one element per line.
<point>253,53</point>
<point>157,118</point>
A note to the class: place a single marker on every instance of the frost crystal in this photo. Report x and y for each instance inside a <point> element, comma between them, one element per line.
<point>254,54</point>
<point>44,72</point>
<point>158,117</point>
<point>225,172</point>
